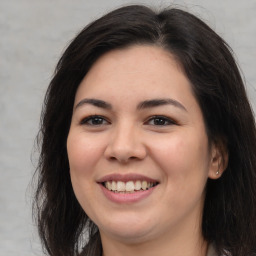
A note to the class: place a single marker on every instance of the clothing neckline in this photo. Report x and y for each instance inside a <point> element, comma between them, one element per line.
<point>211,251</point>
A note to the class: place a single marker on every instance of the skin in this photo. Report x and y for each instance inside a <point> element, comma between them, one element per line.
<point>126,139</point>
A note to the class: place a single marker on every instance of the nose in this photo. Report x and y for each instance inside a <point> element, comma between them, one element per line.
<point>125,144</point>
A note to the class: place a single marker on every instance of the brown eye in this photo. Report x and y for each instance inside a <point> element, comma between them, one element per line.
<point>94,120</point>
<point>160,121</point>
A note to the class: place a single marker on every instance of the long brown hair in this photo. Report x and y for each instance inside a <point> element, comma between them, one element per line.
<point>229,216</point>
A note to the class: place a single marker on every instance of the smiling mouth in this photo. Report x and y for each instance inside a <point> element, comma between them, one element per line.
<point>129,186</point>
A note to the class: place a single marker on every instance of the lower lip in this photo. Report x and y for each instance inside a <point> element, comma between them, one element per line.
<point>126,197</point>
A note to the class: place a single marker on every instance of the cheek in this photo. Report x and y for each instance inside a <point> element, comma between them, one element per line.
<point>184,159</point>
<point>184,164</point>
<point>83,153</point>
<point>171,154</point>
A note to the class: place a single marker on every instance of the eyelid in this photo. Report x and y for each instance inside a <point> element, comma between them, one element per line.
<point>170,121</point>
<point>85,120</point>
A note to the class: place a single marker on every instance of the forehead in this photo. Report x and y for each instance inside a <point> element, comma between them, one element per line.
<point>142,69</point>
<point>134,59</point>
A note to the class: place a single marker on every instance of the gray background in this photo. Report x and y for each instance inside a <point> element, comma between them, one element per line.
<point>33,34</point>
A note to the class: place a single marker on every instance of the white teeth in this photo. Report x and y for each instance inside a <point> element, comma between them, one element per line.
<point>120,186</point>
<point>137,185</point>
<point>109,185</point>
<point>144,185</point>
<point>114,187</point>
<point>130,186</point>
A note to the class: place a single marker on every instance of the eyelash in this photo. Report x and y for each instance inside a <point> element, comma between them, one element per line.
<point>87,120</point>
<point>164,121</point>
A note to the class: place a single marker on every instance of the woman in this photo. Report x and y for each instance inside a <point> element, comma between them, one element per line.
<point>147,142</point>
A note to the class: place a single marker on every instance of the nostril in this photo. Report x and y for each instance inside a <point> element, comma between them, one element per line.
<point>112,158</point>
<point>125,151</point>
<point>123,159</point>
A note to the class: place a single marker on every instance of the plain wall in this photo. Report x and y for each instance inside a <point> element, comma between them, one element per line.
<point>33,36</point>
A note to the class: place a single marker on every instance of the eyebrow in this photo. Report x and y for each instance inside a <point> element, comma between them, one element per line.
<point>160,102</point>
<point>94,102</point>
<point>142,105</point>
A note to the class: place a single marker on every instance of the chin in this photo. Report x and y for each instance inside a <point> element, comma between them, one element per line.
<point>129,232</point>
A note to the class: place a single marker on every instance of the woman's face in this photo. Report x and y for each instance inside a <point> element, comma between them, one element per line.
<point>137,146</point>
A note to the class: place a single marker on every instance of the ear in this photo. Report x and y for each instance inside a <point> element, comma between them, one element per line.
<point>219,159</point>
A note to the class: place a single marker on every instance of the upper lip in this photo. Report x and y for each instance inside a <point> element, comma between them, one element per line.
<point>125,177</point>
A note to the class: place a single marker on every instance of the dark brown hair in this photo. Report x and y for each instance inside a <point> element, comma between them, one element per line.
<point>229,216</point>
